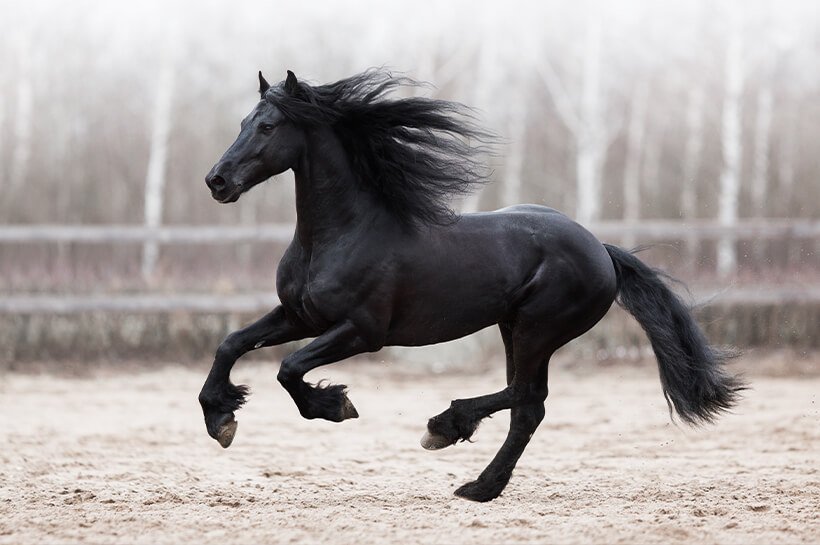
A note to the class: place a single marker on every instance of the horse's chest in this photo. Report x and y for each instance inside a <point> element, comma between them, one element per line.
<point>292,280</point>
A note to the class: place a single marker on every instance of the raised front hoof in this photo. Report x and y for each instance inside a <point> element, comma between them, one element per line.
<point>330,403</point>
<point>226,433</point>
<point>223,429</point>
<point>480,491</point>
<point>433,441</point>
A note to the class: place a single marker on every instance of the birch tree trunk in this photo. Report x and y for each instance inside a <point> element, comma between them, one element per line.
<point>732,148</point>
<point>652,155</point>
<point>785,170</point>
<point>21,153</point>
<point>489,70</point>
<point>635,144</point>
<point>589,139</point>
<point>763,123</point>
<point>157,161</point>
<point>693,153</point>
<point>2,142</point>
<point>786,175</point>
<point>586,123</point>
<point>516,151</point>
<point>760,175</point>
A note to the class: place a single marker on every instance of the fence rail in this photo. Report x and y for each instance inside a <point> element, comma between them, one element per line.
<point>183,234</point>
<point>138,303</point>
<point>281,232</point>
<point>264,301</point>
<point>650,230</point>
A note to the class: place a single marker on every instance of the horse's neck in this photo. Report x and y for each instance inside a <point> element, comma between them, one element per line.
<point>329,199</point>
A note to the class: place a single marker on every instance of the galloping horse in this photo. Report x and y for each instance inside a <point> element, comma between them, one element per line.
<point>378,258</point>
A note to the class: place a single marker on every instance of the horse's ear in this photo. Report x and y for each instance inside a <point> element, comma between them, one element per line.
<point>263,85</point>
<point>290,83</point>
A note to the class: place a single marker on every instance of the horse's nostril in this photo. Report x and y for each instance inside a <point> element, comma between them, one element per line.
<point>216,182</point>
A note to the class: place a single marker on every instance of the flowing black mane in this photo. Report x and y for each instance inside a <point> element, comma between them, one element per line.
<point>414,153</point>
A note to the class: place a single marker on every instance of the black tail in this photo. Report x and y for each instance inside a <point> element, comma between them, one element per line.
<point>692,374</point>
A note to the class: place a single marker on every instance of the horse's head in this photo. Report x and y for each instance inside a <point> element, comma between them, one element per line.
<point>268,144</point>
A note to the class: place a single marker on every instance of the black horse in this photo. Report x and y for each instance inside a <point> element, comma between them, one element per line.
<point>379,259</point>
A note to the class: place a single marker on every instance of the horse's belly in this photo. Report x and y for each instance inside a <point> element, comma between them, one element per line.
<point>424,330</point>
<point>449,306</point>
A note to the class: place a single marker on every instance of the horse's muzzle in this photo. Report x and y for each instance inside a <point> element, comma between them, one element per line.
<point>215,182</point>
<point>221,190</point>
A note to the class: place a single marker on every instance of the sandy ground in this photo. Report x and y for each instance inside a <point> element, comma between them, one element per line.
<point>124,458</point>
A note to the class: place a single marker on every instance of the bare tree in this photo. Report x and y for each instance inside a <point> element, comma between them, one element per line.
<point>762,133</point>
<point>490,75</point>
<point>632,165</point>
<point>591,144</point>
<point>787,159</point>
<point>731,144</point>
<point>157,160</point>
<point>2,134</point>
<point>692,154</point>
<point>586,121</point>
<point>517,147</point>
<point>23,116</point>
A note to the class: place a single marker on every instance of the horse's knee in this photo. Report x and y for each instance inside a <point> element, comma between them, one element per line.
<point>229,349</point>
<point>288,372</point>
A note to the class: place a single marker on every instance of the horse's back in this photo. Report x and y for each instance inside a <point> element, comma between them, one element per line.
<point>557,235</point>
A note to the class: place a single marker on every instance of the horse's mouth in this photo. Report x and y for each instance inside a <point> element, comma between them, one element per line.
<point>231,196</point>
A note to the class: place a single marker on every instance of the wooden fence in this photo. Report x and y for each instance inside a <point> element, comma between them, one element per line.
<point>260,302</point>
<point>646,231</point>
<point>650,230</point>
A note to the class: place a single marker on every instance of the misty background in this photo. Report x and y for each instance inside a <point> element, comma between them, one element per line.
<point>694,125</point>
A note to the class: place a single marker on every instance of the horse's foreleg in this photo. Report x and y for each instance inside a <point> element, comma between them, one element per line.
<point>328,402</point>
<point>219,397</point>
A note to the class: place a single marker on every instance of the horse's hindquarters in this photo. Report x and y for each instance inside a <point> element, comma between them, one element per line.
<point>527,263</point>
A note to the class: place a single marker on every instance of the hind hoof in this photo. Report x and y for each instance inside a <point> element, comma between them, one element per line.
<point>226,433</point>
<point>479,491</point>
<point>432,441</point>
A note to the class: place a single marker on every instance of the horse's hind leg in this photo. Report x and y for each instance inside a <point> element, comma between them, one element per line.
<point>523,422</point>
<point>460,421</point>
<point>527,358</point>
<point>524,419</point>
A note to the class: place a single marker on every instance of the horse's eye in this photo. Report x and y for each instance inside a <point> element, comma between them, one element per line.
<point>266,128</point>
